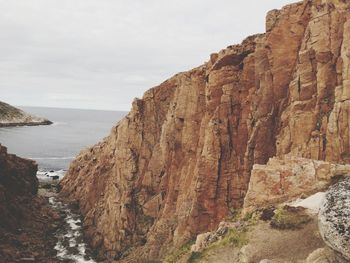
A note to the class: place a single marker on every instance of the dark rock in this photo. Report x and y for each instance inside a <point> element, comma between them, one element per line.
<point>267,213</point>
<point>27,260</point>
<point>25,218</point>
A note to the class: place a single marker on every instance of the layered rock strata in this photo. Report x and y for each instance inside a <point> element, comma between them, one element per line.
<point>181,159</point>
<point>11,116</point>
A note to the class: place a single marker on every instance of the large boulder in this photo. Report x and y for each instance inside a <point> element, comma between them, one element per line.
<point>334,217</point>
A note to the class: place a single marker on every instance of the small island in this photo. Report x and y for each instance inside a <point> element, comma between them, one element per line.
<point>11,116</point>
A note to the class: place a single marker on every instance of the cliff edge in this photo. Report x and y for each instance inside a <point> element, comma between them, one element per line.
<point>181,160</point>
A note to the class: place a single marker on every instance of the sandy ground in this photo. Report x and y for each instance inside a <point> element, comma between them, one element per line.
<point>278,246</point>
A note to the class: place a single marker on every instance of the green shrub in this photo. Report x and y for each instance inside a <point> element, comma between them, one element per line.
<point>290,218</point>
<point>194,256</point>
<point>235,237</point>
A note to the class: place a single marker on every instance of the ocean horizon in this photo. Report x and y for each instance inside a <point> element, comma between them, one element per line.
<point>54,146</point>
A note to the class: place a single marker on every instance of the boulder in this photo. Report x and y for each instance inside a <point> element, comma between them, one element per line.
<point>334,218</point>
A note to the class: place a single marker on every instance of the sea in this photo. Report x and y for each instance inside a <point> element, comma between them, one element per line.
<point>54,146</point>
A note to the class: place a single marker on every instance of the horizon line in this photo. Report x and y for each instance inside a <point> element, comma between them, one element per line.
<point>69,108</point>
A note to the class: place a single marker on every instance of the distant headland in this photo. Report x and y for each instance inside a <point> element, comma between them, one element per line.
<point>11,116</point>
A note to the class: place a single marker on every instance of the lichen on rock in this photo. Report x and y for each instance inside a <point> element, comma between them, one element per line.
<point>334,223</point>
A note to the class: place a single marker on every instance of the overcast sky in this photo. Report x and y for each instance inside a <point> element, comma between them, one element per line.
<point>100,54</point>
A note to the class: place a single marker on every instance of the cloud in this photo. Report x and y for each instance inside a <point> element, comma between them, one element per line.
<point>102,53</point>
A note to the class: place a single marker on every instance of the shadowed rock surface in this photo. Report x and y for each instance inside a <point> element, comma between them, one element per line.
<point>26,221</point>
<point>182,158</point>
<point>11,116</point>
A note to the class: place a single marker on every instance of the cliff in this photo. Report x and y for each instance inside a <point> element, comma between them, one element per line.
<point>25,219</point>
<point>11,116</point>
<point>181,160</point>
<point>18,182</point>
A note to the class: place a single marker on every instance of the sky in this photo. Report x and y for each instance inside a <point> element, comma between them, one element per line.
<point>100,54</point>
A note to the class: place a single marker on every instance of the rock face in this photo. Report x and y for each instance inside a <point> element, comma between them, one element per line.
<point>25,219</point>
<point>181,159</point>
<point>17,183</point>
<point>334,217</point>
<point>11,116</point>
<point>282,179</point>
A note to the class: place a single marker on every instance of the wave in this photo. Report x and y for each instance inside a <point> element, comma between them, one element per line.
<point>56,123</point>
<point>46,175</point>
<point>51,171</point>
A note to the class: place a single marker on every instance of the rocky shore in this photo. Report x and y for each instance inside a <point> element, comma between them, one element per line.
<point>11,116</point>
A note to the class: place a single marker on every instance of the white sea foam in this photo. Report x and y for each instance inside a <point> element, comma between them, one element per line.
<point>56,123</point>
<point>72,234</point>
<point>73,223</point>
<point>47,176</point>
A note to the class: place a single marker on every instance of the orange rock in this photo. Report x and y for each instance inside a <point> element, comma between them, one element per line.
<point>182,158</point>
<point>282,179</point>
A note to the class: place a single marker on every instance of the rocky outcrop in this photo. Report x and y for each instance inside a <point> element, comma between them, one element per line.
<point>182,158</point>
<point>25,219</point>
<point>11,116</point>
<point>334,217</point>
<point>283,179</point>
<point>325,255</point>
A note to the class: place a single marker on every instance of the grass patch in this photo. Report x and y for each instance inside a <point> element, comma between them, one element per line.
<point>153,261</point>
<point>289,218</point>
<point>194,256</point>
<point>184,249</point>
<point>234,214</point>
<point>236,237</point>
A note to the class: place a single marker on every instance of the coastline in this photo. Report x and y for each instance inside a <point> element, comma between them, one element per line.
<point>19,124</point>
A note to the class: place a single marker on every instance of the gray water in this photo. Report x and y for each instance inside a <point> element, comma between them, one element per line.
<point>55,146</point>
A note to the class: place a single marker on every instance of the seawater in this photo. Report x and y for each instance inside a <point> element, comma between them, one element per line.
<point>53,147</point>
